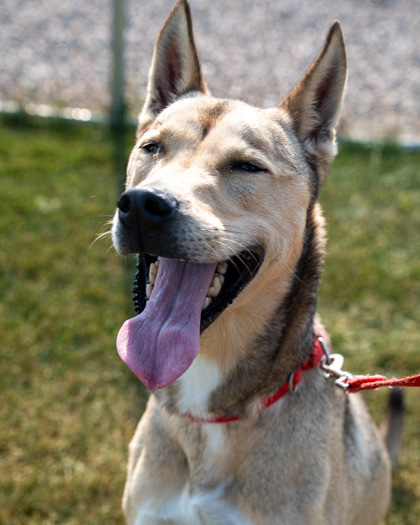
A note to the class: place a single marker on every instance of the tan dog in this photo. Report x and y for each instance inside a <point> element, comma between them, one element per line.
<point>225,195</point>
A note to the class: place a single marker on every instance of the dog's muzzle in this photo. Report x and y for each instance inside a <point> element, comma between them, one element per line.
<point>143,212</point>
<point>176,297</point>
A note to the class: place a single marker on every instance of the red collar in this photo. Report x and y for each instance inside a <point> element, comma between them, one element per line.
<point>313,361</point>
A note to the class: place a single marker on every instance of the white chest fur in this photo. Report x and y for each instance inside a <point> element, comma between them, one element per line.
<point>196,385</point>
<point>201,508</point>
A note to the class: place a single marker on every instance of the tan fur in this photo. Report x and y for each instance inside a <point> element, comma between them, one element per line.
<point>314,457</point>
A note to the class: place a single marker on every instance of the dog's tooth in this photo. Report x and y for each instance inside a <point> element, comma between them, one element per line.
<point>149,289</point>
<point>222,267</point>
<point>153,270</point>
<point>206,303</point>
<point>215,287</point>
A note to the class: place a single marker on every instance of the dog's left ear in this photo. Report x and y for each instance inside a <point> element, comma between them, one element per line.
<point>314,103</point>
<point>175,68</point>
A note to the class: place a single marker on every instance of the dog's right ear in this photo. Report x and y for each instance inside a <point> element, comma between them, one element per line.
<point>175,68</point>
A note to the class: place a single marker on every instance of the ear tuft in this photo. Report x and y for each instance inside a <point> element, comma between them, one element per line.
<point>314,103</point>
<point>175,68</point>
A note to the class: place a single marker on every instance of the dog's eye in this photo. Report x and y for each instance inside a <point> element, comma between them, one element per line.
<point>151,147</point>
<point>250,167</point>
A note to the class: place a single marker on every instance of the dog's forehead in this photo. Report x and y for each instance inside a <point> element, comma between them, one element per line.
<point>235,119</point>
<point>192,114</point>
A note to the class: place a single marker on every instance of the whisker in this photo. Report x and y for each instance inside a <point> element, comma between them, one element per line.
<point>221,242</point>
<point>209,246</point>
<point>243,248</point>
<point>230,249</point>
<point>100,236</point>
<point>229,240</point>
<point>220,230</point>
<point>234,252</point>
<point>228,235</point>
<point>295,275</point>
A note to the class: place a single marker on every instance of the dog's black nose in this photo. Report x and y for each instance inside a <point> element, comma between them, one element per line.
<point>146,207</point>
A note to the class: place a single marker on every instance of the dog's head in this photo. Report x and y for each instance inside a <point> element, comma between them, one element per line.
<point>217,196</point>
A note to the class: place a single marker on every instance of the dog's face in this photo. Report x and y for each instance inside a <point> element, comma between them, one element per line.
<point>224,166</point>
<point>219,191</point>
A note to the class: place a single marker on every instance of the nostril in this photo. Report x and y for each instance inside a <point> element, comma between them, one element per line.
<point>158,206</point>
<point>124,203</point>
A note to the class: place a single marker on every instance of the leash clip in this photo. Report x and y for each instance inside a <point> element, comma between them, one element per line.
<point>332,365</point>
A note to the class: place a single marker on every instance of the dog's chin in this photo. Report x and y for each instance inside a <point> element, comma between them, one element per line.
<point>231,277</point>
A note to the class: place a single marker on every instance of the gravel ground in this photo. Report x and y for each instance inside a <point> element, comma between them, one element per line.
<point>59,53</point>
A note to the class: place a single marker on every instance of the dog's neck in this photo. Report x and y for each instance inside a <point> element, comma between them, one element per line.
<point>245,356</point>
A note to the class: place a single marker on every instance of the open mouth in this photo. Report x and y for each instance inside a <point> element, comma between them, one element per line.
<point>175,302</point>
<point>229,280</point>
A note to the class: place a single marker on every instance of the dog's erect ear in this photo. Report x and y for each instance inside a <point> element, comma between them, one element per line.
<point>175,68</point>
<point>314,103</point>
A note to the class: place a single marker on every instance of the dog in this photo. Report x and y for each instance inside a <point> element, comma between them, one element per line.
<point>221,203</point>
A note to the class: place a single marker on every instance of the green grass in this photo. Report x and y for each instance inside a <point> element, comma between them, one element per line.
<point>370,291</point>
<point>68,406</point>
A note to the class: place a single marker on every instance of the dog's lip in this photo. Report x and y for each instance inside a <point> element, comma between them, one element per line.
<point>242,268</point>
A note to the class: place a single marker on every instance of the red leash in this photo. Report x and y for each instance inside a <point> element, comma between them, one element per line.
<point>359,383</point>
<point>332,366</point>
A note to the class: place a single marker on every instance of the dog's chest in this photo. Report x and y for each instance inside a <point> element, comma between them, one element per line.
<point>204,497</point>
<point>186,508</point>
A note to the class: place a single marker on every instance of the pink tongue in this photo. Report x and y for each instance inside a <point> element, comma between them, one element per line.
<point>161,343</point>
